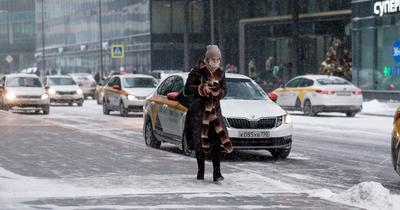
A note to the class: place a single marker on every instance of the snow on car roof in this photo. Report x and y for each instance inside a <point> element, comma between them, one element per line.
<point>58,76</point>
<point>135,75</point>
<point>318,76</point>
<point>22,75</point>
<point>227,75</point>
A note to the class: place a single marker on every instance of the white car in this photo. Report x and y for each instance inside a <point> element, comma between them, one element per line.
<point>253,120</point>
<point>313,94</point>
<point>63,89</point>
<point>23,91</point>
<point>86,82</point>
<point>127,93</point>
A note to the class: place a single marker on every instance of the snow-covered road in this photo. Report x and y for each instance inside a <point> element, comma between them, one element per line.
<point>76,157</point>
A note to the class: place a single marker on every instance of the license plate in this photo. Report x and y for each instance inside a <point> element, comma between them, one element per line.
<point>343,93</point>
<point>253,134</point>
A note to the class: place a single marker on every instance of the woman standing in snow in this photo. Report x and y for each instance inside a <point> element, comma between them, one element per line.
<point>205,126</point>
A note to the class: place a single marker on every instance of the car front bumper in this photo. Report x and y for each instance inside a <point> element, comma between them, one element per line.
<point>278,138</point>
<point>66,98</point>
<point>332,108</point>
<point>134,106</point>
<point>26,103</point>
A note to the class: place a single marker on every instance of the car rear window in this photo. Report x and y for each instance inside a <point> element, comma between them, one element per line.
<point>333,81</point>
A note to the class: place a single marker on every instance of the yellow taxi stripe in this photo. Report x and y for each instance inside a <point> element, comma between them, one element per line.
<point>169,103</point>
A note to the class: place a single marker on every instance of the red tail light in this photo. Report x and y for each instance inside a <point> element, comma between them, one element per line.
<point>357,92</point>
<point>327,92</point>
<point>396,116</point>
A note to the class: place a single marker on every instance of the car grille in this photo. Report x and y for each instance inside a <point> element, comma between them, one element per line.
<point>266,123</point>
<point>29,97</point>
<point>66,92</point>
<point>242,142</point>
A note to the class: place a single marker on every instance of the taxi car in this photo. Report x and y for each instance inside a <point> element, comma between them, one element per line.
<point>127,93</point>
<point>253,120</point>
<point>86,82</point>
<point>396,142</point>
<point>23,91</point>
<point>63,89</point>
<point>313,94</point>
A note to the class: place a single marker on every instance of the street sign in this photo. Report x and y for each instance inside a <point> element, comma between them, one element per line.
<point>9,59</point>
<point>396,51</point>
<point>117,51</point>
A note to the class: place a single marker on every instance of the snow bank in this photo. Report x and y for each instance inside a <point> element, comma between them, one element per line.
<point>368,195</point>
<point>375,106</point>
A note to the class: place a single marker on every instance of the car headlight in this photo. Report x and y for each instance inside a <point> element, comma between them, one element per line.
<point>10,96</point>
<point>44,96</point>
<point>51,91</point>
<point>287,119</point>
<point>132,98</point>
<point>79,92</point>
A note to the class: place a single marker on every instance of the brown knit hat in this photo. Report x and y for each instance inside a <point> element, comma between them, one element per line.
<point>212,51</point>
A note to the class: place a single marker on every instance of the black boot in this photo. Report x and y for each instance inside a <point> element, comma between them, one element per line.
<point>216,160</point>
<point>200,156</point>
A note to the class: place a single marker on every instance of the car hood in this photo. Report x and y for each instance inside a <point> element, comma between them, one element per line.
<point>65,87</point>
<point>31,91</point>
<point>142,92</point>
<point>250,108</point>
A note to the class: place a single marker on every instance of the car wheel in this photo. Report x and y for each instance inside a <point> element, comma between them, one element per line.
<point>46,110</point>
<point>308,109</point>
<point>351,114</point>
<point>122,111</point>
<point>106,111</point>
<point>280,153</point>
<point>98,100</point>
<point>149,137</point>
<point>70,104</point>
<point>185,148</point>
<point>398,161</point>
<point>80,103</point>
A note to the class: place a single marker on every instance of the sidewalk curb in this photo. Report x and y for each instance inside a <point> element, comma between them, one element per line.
<point>377,115</point>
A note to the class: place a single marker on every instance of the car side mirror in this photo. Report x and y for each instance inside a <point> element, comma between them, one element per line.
<point>172,96</point>
<point>116,87</point>
<point>273,96</point>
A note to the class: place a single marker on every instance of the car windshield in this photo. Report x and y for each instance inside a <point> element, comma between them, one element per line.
<point>23,82</point>
<point>61,81</point>
<point>244,89</point>
<point>332,81</point>
<point>139,83</point>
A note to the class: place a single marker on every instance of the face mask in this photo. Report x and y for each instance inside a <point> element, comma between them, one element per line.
<point>214,64</point>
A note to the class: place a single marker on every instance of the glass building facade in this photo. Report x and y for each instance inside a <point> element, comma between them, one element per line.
<point>17,34</point>
<point>71,40</point>
<point>376,67</point>
<point>152,32</point>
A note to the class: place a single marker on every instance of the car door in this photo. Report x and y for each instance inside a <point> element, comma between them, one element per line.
<point>295,90</point>
<point>115,93</point>
<point>287,92</point>
<point>176,112</point>
<point>160,103</point>
<point>108,91</point>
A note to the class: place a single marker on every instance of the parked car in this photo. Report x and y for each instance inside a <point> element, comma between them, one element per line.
<point>63,89</point>
<point>160,75</point>
<point>127,93</point>
<point>86,82</point>
<point>396,142</point>
<point>99,90</point>
<point>313,94</point>
<point>253,120</point>
<point>24,92</point>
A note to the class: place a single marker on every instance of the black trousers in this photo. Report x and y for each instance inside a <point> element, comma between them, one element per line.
<point>215,152</point>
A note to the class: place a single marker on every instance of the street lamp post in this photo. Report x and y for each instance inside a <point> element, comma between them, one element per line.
<point>101,42</point>
<point>43,45</point>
